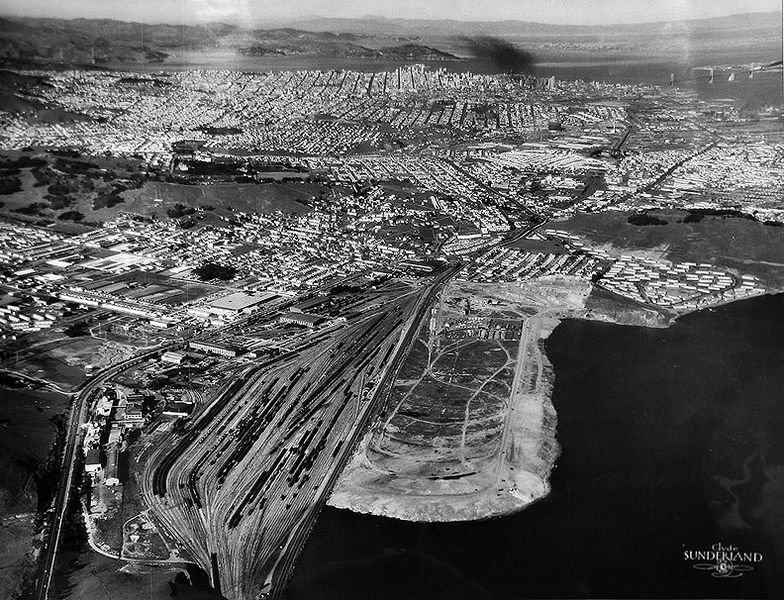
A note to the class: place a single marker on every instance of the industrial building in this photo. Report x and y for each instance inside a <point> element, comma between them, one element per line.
<point>92,462</point>
<point>304,319</point>
<point>209,348</point>
<point>174,358</point>
<point>238,302</point>
<point>178,409</point>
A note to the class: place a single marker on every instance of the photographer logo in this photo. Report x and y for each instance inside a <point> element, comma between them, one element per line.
<point>723,561</point>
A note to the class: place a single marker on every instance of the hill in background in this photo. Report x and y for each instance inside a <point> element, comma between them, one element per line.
<point>84,42</point>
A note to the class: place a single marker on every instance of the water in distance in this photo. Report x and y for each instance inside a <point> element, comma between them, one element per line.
<point>672,442</point>
<point>763,89</point>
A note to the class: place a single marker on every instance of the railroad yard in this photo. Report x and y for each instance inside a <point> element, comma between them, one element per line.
<point>261,292</point>
<point>240,485</point>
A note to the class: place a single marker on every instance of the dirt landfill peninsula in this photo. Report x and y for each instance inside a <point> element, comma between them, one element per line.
<point>468,427</point>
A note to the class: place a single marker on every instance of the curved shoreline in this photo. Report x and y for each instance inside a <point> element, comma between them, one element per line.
<point>531,453</point>
<point>514,477</point>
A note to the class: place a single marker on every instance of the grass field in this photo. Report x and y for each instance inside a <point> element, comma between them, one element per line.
<point>155,198</point>
<point>737,243</point>
<point>75,193</point>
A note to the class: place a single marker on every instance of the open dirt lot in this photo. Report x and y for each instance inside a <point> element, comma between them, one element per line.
<point>468,426</point>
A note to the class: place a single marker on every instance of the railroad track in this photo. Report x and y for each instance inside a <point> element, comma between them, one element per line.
<point>77,416</point>
<point>241,487</point>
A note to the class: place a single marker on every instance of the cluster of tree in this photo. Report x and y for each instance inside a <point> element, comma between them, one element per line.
<point>186,223</point>
<point>10,185</point>
<point>59,184</point>
<point>693,218</point>
<point>58,196</point>
<point>77,176</point>
<point>68,153</point>
<point>34,208</point>
<point>9,380</point>
<point>23,162</point>
<point>78,329</point>
<point>484,109</point>
<point>644,219</point>
<point>71,215</point>
<point>721,212</point>
<point>43,175</point>
<point>158,383</point>
<point>344,289</point>
<point>698,214</point>
<point>107,201</point>
<point>59,202</point>
<point>179,210</point>
<point>211,270</point>
<point>74,167</point>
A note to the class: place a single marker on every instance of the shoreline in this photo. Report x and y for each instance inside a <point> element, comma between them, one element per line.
<point>363,489</point>
<point>518,472</point>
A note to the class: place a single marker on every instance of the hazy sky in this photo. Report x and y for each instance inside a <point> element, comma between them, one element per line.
<point>258,11</point>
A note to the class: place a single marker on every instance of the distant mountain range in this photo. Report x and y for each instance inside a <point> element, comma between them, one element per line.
<point>80,42</point>
<point>97,42</point>
<point>421,27</point>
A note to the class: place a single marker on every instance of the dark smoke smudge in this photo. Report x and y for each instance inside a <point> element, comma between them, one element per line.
<point>504,55</point>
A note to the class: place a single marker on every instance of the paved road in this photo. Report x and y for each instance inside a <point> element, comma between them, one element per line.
<point>677,165</point>
<point>76,418</point>
<point>284,566</point>
<point>242,484</point>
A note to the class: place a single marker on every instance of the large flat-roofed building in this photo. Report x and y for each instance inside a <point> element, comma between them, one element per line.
<point>111,472</point>
<point>174,358</point>
<point>92,462</point>
<point>299,318</point>
<point>218,349</point>
<point>238,302</point>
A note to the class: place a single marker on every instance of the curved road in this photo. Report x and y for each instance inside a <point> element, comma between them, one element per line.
<point>76,418</point>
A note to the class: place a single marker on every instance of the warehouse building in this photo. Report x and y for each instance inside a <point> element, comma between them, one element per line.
<point>304,319</point>
<point>218,349</point>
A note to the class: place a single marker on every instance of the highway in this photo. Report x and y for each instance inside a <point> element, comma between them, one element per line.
<point>76,418</point>
<point>655,183</point>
